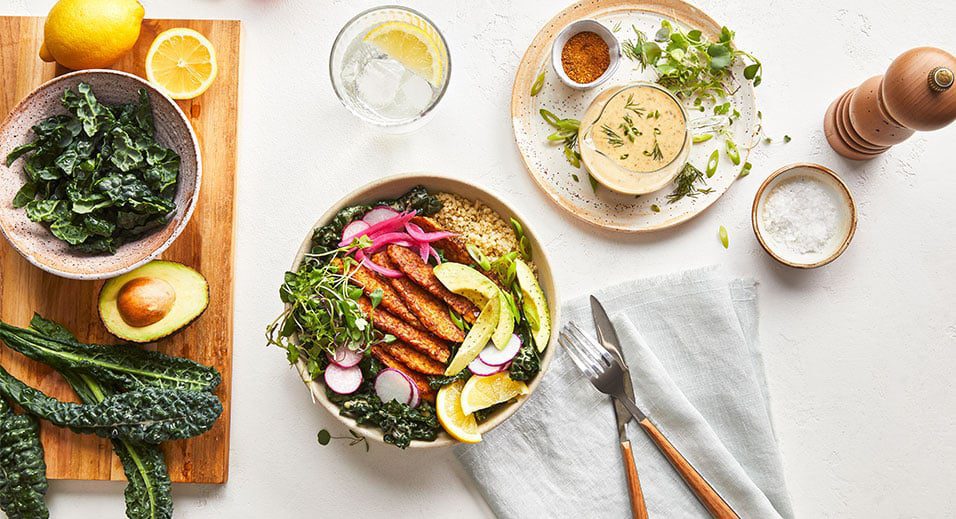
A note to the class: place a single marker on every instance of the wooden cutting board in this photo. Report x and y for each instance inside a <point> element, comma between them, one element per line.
<point>207,245</point>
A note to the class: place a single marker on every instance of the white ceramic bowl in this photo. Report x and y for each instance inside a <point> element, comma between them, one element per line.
<point>394,186</point>
<point>585,25</point>
<point>846,216</point>
<point>33,240</point>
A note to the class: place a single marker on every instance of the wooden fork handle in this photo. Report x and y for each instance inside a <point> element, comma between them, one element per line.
<point>708,497</point>
<point>638,507</point>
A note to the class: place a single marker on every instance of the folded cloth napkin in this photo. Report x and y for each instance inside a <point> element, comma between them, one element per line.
<point>690,340</point>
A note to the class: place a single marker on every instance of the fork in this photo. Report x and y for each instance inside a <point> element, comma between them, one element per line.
<point>607,374</point>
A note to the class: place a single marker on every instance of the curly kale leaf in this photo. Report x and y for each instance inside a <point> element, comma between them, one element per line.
<point>400,423</point>
<point>97,176</point>
<point>149,415</point>
<point>438,382</point>
<point>23,483</point>
<point>127,367</point>
<point>149,491</point>
<point>327,237</point>
<point>526,364</point>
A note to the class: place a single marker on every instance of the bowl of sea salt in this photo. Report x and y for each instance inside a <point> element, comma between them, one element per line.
<point>804,215</point>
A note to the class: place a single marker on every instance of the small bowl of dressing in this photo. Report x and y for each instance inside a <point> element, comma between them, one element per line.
<point>635,138</point>
<point>804,215</point>
<point>585,54</point>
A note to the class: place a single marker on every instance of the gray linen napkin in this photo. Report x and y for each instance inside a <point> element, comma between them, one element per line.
<point>691,342</point>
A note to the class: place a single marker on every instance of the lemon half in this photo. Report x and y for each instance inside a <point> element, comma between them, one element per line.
<point>483,392</point>
<point>182,63</point>
<point>461,426</point>
<point>411,45</point>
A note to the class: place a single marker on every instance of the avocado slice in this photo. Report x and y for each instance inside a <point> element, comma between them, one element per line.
<point>535,305</point>
<point>468,282</point>
<point>477,338</point>
<point>153,301</point>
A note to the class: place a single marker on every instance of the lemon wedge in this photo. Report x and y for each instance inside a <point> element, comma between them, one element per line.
<point>484,392</point>
<point>182,63</point>
<point>460,425</point>
<point>411,45</point>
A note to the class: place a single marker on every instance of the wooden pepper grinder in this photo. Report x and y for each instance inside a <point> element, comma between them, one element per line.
<point>916,93</point>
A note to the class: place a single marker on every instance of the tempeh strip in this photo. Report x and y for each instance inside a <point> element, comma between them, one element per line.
<point>411,265</point>
<point>414,359</point>
<point>420,340</point>
<point>369,281</point>
<point>425,392</point>
<point>430,311</point>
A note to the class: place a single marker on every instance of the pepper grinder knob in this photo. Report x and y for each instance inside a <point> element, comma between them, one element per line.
<point>940,78</point>
<point>917,89</point>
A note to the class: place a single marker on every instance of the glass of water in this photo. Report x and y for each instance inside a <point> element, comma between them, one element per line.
<point>390,67</point>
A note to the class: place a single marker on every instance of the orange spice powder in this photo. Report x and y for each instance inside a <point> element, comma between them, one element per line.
<point>585,57</point>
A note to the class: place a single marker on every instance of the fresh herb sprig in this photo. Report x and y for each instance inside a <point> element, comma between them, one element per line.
<point>567,135</point>
<point>690,65</point>
<point>687,184</point>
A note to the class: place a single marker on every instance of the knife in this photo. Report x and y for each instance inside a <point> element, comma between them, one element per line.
<point>607,336</point>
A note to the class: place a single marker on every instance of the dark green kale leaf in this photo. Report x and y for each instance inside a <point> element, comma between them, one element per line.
<point>438,382</point>
<point>400,423</point>
<point>149,490</point>
<point>526,364</point>
<point>97,176</point>
<point>23,483</point>
<point>125,367</point>
<point>149,415</point>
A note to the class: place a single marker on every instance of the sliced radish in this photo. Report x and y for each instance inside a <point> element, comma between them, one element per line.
<point>492,356</point>
<point>392,384</point>
<point>416,397</point>
<point>343,381</point>
<point>345,357</point>
<point>352,230</point>
<point>480,369</point>
<point>379,214</point>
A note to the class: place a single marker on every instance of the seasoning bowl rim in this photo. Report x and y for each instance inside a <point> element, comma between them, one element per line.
<point>614,52</point>
<point>847,197</point>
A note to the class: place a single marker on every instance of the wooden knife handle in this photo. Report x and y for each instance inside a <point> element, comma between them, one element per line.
<point>638,508</point>
<point>705,493</point>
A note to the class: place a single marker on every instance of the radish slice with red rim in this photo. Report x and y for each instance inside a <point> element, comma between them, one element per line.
<point>343,381</point>
<point>353,229</point>
<point>392,384</point>
<point>480,369</point>
<point>492,356</point>
<point>416,397</point>
<point>379,214</point>
<point>345,357</point>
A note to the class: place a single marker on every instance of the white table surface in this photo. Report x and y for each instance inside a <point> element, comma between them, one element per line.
<point>860,355</point>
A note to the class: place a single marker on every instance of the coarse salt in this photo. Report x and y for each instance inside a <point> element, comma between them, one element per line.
<point>801,215</point>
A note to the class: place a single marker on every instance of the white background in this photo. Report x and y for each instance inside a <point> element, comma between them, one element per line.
<point>860,355</point>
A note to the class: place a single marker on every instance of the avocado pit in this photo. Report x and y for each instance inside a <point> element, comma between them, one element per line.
<point>145,300</point>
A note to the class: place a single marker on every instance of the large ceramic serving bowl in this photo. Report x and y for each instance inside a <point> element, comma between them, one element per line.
<point>33,240</point>
<point>394,186</point>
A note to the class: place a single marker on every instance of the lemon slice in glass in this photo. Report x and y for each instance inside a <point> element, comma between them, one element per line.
<point>460,425</point>
<point>410,45</point>
<point>182,63</point>
<point>484,392</point>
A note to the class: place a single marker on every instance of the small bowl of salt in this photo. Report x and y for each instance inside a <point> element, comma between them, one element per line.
<point>804,215</point>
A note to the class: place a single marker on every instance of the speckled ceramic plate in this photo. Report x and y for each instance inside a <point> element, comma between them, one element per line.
<point>569,187</point>
<point>33,240</point>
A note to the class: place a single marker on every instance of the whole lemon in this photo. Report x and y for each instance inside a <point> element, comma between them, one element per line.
<point>82,34</point>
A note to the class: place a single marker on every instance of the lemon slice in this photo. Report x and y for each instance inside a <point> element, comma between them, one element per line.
<point>182,63</point>
<point>410,45</point>
<point>460,425</point>
<point>484,392</point>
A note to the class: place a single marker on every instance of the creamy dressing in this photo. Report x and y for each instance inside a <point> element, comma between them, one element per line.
<point>633,138</point>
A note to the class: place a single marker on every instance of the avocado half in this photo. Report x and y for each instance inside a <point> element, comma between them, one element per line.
<point>153,301</point>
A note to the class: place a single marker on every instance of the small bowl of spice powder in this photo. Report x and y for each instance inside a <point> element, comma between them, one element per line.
<point>585,54</point>
<point>804,215</point>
